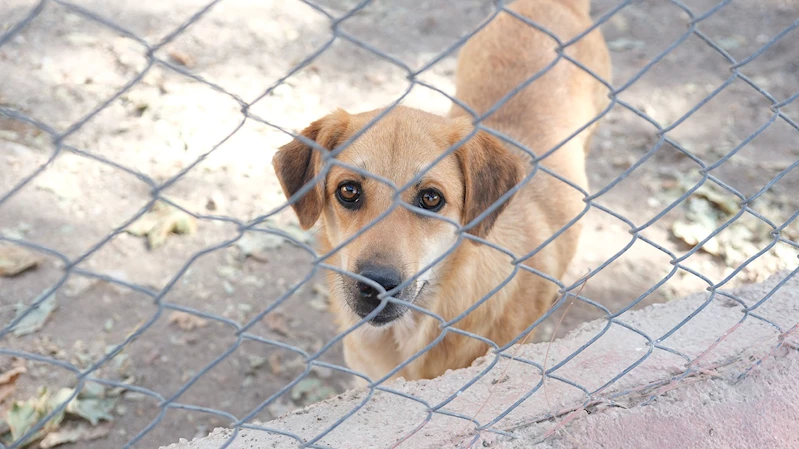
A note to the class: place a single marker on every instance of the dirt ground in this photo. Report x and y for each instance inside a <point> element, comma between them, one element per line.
<point>63,66</point>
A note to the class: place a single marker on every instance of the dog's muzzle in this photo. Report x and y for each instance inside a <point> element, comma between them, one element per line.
<point>364,300</point>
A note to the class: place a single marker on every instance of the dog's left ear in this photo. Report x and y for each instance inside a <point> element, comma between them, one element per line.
<point>489,171</point>
<point>297,163</point>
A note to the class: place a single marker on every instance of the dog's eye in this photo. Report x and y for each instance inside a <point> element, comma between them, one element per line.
<point>349,193</point>
<point>431,199</point>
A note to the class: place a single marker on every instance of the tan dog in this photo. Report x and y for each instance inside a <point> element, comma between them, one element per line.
<point>397,249</point>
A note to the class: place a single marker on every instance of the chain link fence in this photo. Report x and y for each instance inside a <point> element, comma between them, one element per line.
<point>71,266</point>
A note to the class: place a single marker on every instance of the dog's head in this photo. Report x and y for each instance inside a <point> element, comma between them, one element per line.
<point>401,145</point>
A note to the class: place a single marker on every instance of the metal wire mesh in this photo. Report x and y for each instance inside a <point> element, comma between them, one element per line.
<point>243,331</point>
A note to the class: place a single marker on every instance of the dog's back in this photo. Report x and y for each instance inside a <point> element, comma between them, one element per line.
<point>509,52</point>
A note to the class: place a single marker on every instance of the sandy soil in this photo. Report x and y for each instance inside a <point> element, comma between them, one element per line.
<point>62,67</point>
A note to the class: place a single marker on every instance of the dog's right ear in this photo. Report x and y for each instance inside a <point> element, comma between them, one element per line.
<point>297,163</point>
<point>489,171</point>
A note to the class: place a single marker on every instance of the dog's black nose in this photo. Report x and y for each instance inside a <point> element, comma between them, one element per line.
<point>387,277</point>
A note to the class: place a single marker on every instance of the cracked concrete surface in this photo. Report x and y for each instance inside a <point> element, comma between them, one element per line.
<point>740,391</point>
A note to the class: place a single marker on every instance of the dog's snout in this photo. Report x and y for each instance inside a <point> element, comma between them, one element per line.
<point>387,277</point>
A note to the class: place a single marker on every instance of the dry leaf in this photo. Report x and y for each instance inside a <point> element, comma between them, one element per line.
<point>277,323</point>
<point>176,222</point>
<point>181,58</point>
<point>143,225</point>
<point>77,286</point>
<point>257,244</point>
<point>736,244</point>
<point>8,380</point>
<point>72,433</point>
<point>279,408</point>
<point>693,233</point>
<point>21,418</point>
<point>14,260</point>
<point>20,230</point>
<point>161,221</point>
<point>93,410</point>
<point>311,390</point>
<point>11,375</point>
<point>275,364</point>
<point>24,415</point>
<point>726,203</point>
<point>35,320</point>
<point>701,220</point>
<point>187,321</point>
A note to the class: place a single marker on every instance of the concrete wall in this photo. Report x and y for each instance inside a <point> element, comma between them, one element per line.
<point>713,407</point>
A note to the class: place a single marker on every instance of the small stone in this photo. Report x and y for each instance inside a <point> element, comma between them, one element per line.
<point>620,23</point>
<point>322,372</point>
<point>215,202</point>
<point>228,272</point>
<point>256,362</point>
<point>134,396</point>
<point>255,281</point>
<point>624,44</point>
<point>319,304</point>
<point>248,381</point>
<point>181,58</point>
<point>320,289</point>
<point>228,288</point>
